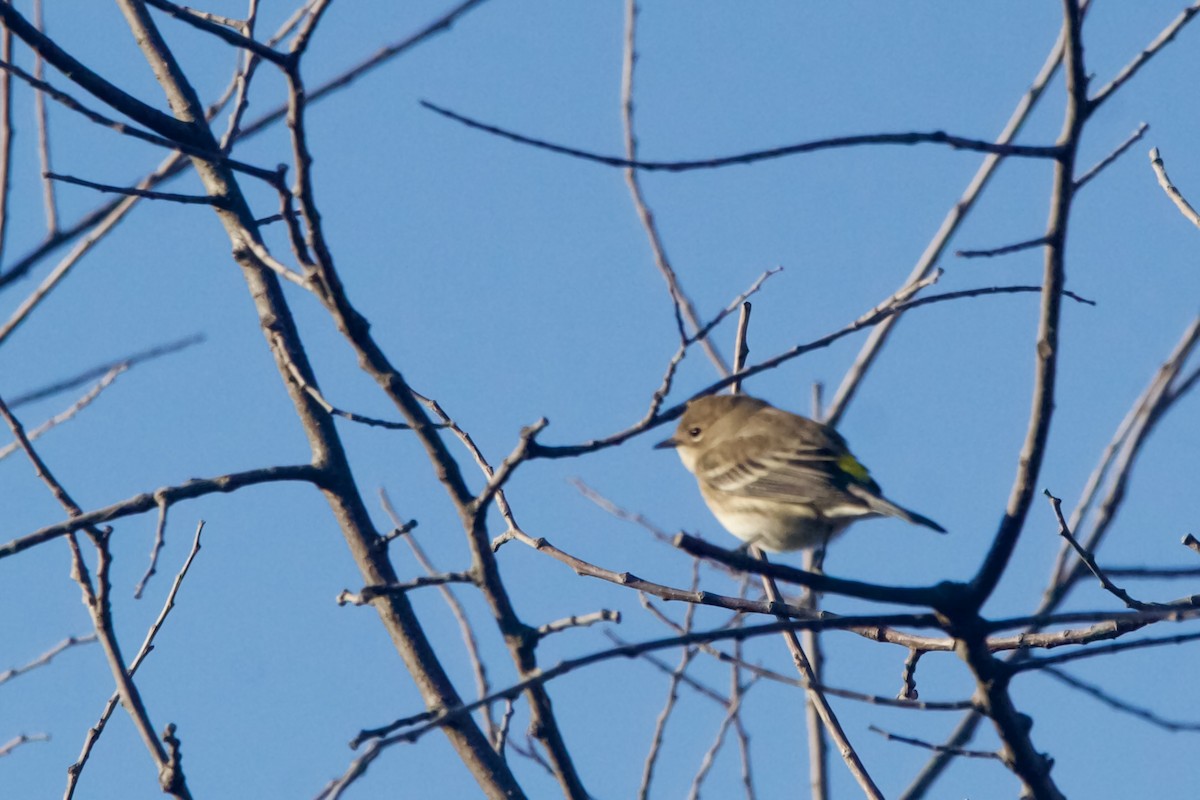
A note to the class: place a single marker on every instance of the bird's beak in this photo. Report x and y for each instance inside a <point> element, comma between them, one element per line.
<point>666,444</point>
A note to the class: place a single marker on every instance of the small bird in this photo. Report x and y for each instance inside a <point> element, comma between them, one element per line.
<point>775,479</point>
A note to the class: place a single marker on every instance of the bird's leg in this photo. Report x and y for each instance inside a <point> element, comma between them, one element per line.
<point>818,560</point>
<point>745,547</point>
<point>748,546</point>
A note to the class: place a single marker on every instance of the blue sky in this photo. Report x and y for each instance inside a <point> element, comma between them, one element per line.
<point>511,284</point>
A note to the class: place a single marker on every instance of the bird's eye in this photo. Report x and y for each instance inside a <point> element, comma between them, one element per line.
<point>694,433</point>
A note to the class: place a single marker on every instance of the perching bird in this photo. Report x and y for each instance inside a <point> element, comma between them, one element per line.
<point>775,479</point>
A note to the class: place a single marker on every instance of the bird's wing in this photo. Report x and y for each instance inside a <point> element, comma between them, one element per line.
<point>821,473</point>
<point>756,466</point>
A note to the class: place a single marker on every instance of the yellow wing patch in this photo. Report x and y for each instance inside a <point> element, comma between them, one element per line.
<point>849,465</point>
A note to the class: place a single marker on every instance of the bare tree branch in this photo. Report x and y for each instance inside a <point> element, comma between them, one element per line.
<point>678,674</point>
<point>684,309</point>
<point>910,138</point>
<point>93,735</point>
<point>12,744</point>
<point>1042,662</point>
<point>6,132</point>
<point>63,416</point>
<point>171,197</point>
<point>1088,560</point>
<point>138,504</point>
<point>466,629</point>
<point>1007,249</point>
<point>954,751</point>
<point>1121,149</point>
<point>1139,61</point>
<point>1174,194</point>
<point>870,350</point>
<point>46,657</point>
<point>867,320</point>
<point>1120,705</point>
<point>96,599</point>
<point>220,31</point>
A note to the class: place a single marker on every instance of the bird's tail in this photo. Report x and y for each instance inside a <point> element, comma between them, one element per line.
<point>881,505</point>
<point>891,509</point>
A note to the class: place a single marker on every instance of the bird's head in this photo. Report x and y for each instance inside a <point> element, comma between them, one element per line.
<point>710,419</point>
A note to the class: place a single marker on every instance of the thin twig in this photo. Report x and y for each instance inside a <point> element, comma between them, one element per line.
<point>480,459</point>
<point>1054,277</point>
<point>42,87</point>
<point>1087,559</point>
<point>466,630</point>
<point>743,349</point>
<point>736,693</point>
<point>937,748</point>
<point>1174,194</point>
<point>97,600</point>
<point>25,738</point>
<point>810,642</point>
<point>141,503</point>
<point>98,226</point>
<point>609,506</point>
<point>173,197</point>
<point>530,751</point>
<point>577,621</point>
<point>820,705</point>
<point>316,395</point>
<point>519,455</point>
<point>1133,138</point>
<point>908,689</point>
<point>222,30</point>
<point>93,734</point>
<point>1028,244</point>
<point>662,666</point>
<point>958,212</point>
<point>676,677</point>
<point>1107,625</point>
<point>734,660</point>
<point>1031,766</point>
<point>241,80</point>
<point>873,317</point>
<point>1118,459</point>
<point>1120,705</point>
<point>1152,572</point>
<point>83,402</point>
<point>927,596</point>
<point>710,755</point>
<point>6,131</point>
<point>664,388</point>
<point>1139,61</point>
<point>909,138</point>
<point>501,737</point>
<point>1103,650</point>
<point>46,657</point>
<point>419,724</point>
<point>683,306</point>
<point>230,22</point>
<point>175,164</point>
<point>876,632</point>
<point>368,593</point>
<point>160,531</point>
<point>103,370</point>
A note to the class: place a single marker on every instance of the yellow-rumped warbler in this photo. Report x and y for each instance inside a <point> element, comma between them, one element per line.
<point>775,479</point>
